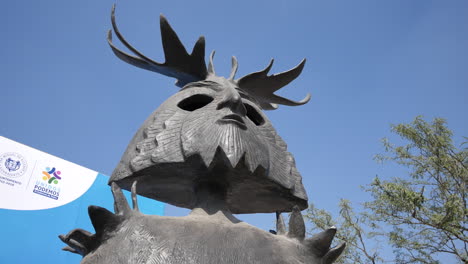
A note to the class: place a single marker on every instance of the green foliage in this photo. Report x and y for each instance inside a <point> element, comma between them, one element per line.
<point>422,215</point>
<point>352,230</point>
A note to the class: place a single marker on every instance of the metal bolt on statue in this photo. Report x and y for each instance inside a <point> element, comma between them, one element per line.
<point>211,149</point>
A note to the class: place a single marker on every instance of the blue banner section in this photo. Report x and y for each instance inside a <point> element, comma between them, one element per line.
<point>32,236</point>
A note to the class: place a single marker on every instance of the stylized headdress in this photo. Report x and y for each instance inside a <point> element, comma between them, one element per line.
<point>187,68</point>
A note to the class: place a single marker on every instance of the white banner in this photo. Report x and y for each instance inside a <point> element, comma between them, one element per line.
<point>32,180</point>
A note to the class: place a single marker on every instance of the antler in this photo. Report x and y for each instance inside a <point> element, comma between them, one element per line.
<point>82,242</point>
<point>179,64</point>
<point>191,68</point>
<point>262,87</point>
<point>318,245</point>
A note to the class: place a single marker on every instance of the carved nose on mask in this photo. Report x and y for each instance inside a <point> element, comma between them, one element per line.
<point>232,100</point>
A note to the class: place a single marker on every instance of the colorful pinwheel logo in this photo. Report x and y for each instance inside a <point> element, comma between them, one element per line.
<point>51,175</point>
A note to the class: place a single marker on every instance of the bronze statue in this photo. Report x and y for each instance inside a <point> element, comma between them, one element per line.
<point>208,148</point>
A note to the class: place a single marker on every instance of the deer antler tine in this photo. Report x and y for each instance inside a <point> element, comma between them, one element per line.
<point>124,41</point>
<point>101,218</point>
<point>263,72</point>
<point>296,224</point>
<point>233,68</point>
<point>120,202</point>
<point>255,77</point>
<point>179,64</point>
<point>333,254</point>
<point>173,47</point>
<point>262,87</point>
<point>284,101</point>
<point>280,227</point>
<point>211,70</point>
<point>198,52</point>
<point>268,68</point>
<point>134,196</point>
<point>320,243</point>
<point>284,78</point>
<point>135,61</point>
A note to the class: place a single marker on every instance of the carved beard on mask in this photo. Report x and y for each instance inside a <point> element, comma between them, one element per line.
<point>212,132</point>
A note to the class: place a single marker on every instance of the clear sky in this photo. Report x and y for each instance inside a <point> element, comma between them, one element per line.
<point>369,64</point>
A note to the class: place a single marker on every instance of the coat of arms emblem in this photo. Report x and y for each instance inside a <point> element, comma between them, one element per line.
<point>12,165</point>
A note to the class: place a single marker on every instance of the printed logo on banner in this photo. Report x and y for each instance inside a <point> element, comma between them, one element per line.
<point>48,184</point>
<point>13,165</point>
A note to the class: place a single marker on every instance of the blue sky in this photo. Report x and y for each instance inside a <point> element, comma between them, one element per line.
<point>369,64</point>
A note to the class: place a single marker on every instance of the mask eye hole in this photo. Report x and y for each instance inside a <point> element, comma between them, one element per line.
<point>254,115</point>
<point>195,102</point>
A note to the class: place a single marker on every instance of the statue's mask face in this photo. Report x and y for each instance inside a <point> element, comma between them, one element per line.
<point>218,122</point>
<point>216,115</point>
<point>215,123</point>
